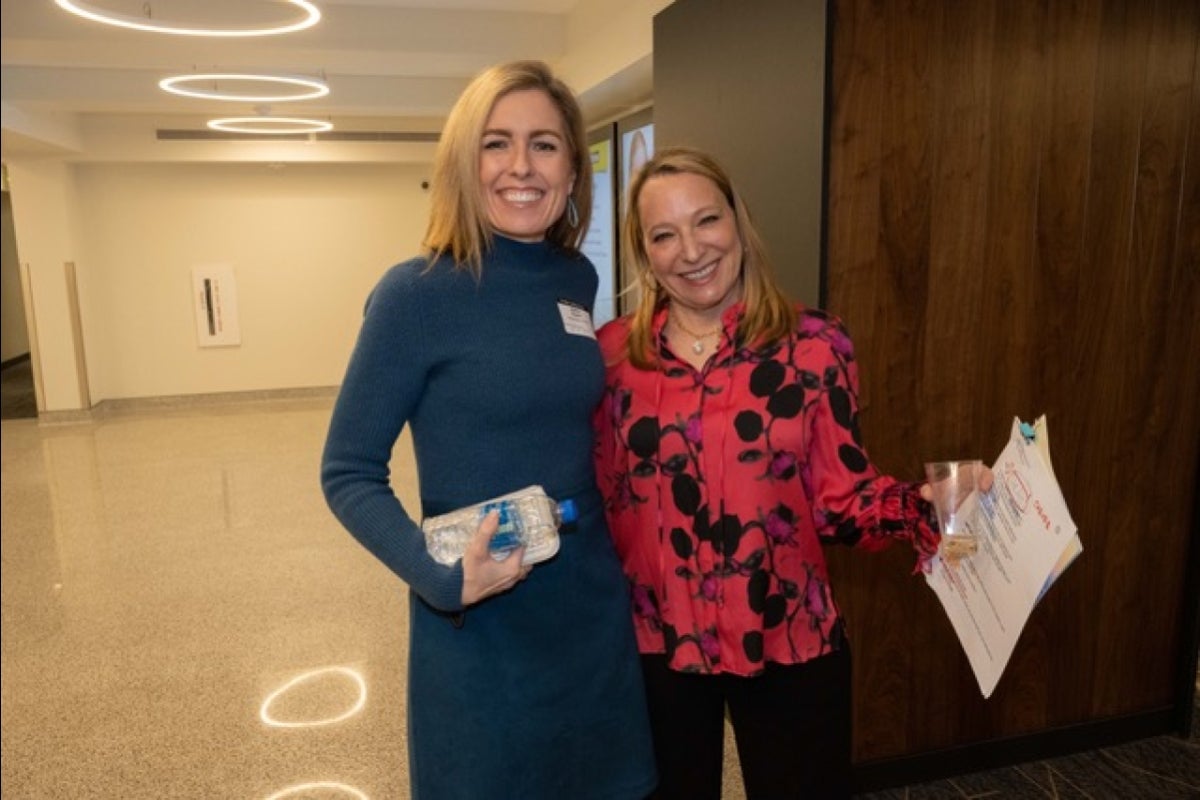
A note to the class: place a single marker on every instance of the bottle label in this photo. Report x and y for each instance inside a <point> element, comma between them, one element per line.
<point>508,533</point>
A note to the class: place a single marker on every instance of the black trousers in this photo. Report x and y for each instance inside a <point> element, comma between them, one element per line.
<point>791,723</point>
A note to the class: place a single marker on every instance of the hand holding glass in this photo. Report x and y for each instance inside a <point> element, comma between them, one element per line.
<point>951,483</point>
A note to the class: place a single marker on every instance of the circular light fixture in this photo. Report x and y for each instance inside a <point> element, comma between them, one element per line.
<point>269,125</point>
<point>310,15</point>
<point>299,88</point>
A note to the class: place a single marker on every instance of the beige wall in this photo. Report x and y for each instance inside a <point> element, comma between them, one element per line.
<point>608,59</point>
<point>306,242</point>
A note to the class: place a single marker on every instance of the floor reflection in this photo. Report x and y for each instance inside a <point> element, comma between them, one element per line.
<point>164,574</point>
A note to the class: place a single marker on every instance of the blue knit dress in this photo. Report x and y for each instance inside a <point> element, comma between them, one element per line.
<point>534,693</point>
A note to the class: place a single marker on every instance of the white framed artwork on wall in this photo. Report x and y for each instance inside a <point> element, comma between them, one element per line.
<point>214,293</point>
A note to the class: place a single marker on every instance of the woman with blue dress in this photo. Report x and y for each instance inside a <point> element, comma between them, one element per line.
<point>523,680</point>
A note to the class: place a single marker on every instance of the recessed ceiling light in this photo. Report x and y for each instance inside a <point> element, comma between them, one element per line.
<point>310,15</point>
<point>254,88</point>
<point>269,125</point>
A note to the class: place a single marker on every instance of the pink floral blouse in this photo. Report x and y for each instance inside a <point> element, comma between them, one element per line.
<point>721,485</point>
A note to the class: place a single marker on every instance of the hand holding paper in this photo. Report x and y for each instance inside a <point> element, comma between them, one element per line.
<point>1025,537</point>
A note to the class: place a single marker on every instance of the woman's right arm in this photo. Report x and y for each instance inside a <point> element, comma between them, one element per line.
<point>383,384</point>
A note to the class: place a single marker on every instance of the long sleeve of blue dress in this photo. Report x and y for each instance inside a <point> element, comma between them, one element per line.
<point>384,381</point>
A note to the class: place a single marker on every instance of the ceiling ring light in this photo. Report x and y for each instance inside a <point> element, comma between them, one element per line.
<point>310,15</point>
<point>304,88</point>
<point>269,125</point>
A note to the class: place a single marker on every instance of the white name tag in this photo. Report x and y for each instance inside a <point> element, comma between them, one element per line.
<point>576,319</point>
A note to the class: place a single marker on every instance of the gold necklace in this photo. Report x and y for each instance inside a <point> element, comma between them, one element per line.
<point>697,338</point>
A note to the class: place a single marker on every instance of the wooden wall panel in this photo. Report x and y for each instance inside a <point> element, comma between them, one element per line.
<point>853,224</point>
<point>1062,626</point>
<point>1105,330</point>
<point>1013,208</point>
<point>1151,398</point>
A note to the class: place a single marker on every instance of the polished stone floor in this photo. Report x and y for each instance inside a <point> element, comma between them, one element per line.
<point>183,618</point>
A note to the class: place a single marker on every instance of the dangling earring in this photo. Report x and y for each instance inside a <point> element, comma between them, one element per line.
<point>572,213</point>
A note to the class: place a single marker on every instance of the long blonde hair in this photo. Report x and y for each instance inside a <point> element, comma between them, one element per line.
<point>458,222</point>
<point>769,315</point>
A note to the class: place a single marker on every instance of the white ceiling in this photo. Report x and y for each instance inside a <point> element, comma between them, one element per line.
<point>394,65</point>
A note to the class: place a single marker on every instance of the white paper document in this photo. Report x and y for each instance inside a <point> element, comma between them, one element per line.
<point>1026,539</point>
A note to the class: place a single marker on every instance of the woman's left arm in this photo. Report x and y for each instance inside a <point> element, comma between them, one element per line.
<point>852,502</point>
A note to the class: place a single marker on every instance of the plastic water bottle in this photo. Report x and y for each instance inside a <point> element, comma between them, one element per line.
<point>528,517</point>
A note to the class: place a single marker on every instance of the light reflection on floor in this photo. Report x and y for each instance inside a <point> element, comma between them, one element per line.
<point>320,679</point>
<point>170,575</point>
<point>311,791</point>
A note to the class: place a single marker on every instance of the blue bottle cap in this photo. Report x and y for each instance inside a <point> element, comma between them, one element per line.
<point>568,511</point>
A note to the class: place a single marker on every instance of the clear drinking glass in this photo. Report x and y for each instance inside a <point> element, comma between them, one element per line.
<point>953,482</point>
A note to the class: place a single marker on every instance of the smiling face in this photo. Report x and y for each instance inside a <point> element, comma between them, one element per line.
<point>691,240</point>
<point>525,169</point>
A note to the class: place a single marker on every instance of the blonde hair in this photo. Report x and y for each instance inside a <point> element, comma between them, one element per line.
<point>458,221</point>
<point>769,315</point>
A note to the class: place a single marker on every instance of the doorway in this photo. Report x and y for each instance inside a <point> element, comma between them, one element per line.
<point>18,399</point>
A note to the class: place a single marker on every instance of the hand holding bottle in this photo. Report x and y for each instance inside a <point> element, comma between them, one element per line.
<point>483,574</point>
<point>528,517</point>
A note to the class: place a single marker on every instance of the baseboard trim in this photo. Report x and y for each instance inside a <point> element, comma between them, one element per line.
<point>873,776</point>
<point>186,402</point>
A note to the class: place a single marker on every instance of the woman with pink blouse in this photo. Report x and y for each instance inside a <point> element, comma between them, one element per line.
<point>728,454</point>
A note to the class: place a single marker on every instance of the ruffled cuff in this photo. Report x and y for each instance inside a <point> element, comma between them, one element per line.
<point>912,518</point>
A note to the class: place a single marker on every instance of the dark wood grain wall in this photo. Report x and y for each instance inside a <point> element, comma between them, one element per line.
<point>1013,218</point>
